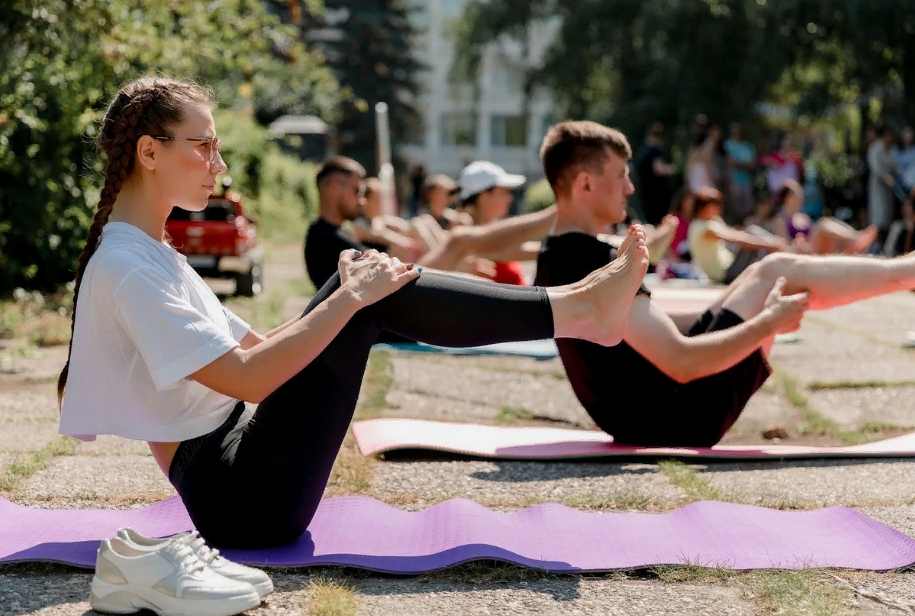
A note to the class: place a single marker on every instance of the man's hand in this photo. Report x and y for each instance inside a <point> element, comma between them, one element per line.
<point>786,311</point>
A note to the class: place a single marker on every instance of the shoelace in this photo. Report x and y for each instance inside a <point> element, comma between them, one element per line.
<point>187,559</point>
<point>204,552</point>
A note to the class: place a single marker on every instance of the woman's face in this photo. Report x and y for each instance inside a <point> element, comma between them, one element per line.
<point>709,210</point>
<point>438,199</point>
<point>185,171</point>
<point>371,206</point>
<point>494,204</point>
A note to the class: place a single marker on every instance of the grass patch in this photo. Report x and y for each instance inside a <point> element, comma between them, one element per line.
<point>797,593</point>
<point>819,385</point>
<point>696,487</point>
<point>485,573</point>
<point>351,474</point>
<point>24,466</point>
<point>616,500</point>
<point>50,335</point>
<point>379,378</point>
<point>689,573</point>
<point>511,414</point>
<point>331,597</point>
<point>812,422</point>
<point>876,427</point>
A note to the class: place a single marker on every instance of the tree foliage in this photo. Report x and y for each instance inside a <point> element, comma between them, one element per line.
<point>369,46</point>
<point>62,60</point>
<point>631,62</point>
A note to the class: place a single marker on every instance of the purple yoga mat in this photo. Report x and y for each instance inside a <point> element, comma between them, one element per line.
<point>366,533</point>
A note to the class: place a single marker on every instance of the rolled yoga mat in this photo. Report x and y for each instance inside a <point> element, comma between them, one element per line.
<point>522,443</point>
<point>362,532</point>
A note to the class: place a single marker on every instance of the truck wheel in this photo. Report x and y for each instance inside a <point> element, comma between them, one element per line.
<point>248,284</point>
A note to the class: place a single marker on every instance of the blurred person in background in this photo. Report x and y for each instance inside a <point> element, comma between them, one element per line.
<point>783,164</point>
<point>384,233</point>
<point>699,160</point>
<point>882,181</point>
<point>709,239</point>
<point>825,236</point>
<point>654,171</point>
<point>741,156</point>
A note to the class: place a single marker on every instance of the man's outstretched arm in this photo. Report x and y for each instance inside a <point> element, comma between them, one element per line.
<point>489,240</point>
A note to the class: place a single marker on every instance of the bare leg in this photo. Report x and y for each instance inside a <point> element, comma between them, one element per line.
<point>831,280</point>
<point>597,308</point>
<point>830,236</point>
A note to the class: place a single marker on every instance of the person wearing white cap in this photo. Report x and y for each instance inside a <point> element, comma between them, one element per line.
<point>486,196</point>
<point>482,177</point>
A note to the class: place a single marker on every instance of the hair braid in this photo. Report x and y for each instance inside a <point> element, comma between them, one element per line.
<point>146,106</point>
<point>120,161</point>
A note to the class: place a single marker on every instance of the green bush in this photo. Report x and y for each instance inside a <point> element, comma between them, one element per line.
<point>277,187</point>
<point>539,196</point>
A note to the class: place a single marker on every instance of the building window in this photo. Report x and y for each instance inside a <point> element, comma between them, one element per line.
<point>458,129</point>
<point>509,131</point>
<point>546,123</point>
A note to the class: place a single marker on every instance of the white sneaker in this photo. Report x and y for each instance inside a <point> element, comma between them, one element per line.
<point>257,578</point>
<point>909,341</point>
<point>168,580</point>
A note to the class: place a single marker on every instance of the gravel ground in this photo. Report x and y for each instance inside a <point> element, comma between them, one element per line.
<point>20,404</point>
<point>853,407</point>
<point>545,396</point>
<point>95,478</point>
<point>854,343</point>
<point>520,484</point>
<point>816,483</point>
<point>23,436</point>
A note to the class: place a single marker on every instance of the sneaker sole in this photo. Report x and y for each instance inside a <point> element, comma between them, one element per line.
<point>111,598</point>
<point>264,588</point>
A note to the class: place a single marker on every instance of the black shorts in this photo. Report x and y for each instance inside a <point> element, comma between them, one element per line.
<point>695,414</point>
<point>721,397</point>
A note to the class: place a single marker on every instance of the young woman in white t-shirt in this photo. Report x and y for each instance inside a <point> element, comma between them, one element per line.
<point>155,357</point>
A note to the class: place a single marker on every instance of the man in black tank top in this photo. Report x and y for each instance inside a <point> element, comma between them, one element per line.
<point>339,181</point>
<point>675,380</point>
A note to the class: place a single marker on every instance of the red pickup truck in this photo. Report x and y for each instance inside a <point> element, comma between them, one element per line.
<point>220,242</point>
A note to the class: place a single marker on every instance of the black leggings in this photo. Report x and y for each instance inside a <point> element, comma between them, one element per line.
<point>256,481</point>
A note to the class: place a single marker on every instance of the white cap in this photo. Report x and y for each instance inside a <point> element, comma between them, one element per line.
<point>482,175</point>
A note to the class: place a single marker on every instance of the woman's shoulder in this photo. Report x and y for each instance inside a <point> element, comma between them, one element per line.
<point>115,262</point>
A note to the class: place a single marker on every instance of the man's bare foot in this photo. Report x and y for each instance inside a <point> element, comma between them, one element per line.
<point>636,232</point>
<point>611,289</point>
<point>863,241</point>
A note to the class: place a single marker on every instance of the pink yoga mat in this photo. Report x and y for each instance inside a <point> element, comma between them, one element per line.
<point>521,443</point>
<point>362,532</point>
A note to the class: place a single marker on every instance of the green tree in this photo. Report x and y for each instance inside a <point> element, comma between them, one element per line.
<point>62,60</point>
<point>630,62</point>
<point>369,45</point>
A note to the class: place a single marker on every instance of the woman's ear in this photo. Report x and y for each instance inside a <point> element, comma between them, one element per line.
<point>148,151</point>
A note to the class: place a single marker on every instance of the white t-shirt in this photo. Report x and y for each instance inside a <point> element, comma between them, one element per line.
<point>145,321</point>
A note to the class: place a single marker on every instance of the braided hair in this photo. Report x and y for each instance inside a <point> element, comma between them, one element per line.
<point>147,106</point>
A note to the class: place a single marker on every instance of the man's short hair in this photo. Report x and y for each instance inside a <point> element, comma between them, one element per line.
<point>573,146</point>
<point>338,164</point>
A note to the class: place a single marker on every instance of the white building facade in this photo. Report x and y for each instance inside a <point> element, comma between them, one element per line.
<point>458,129</point>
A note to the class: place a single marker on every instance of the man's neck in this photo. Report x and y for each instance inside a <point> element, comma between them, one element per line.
<point>328,213</point>
<point>571,217</point>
